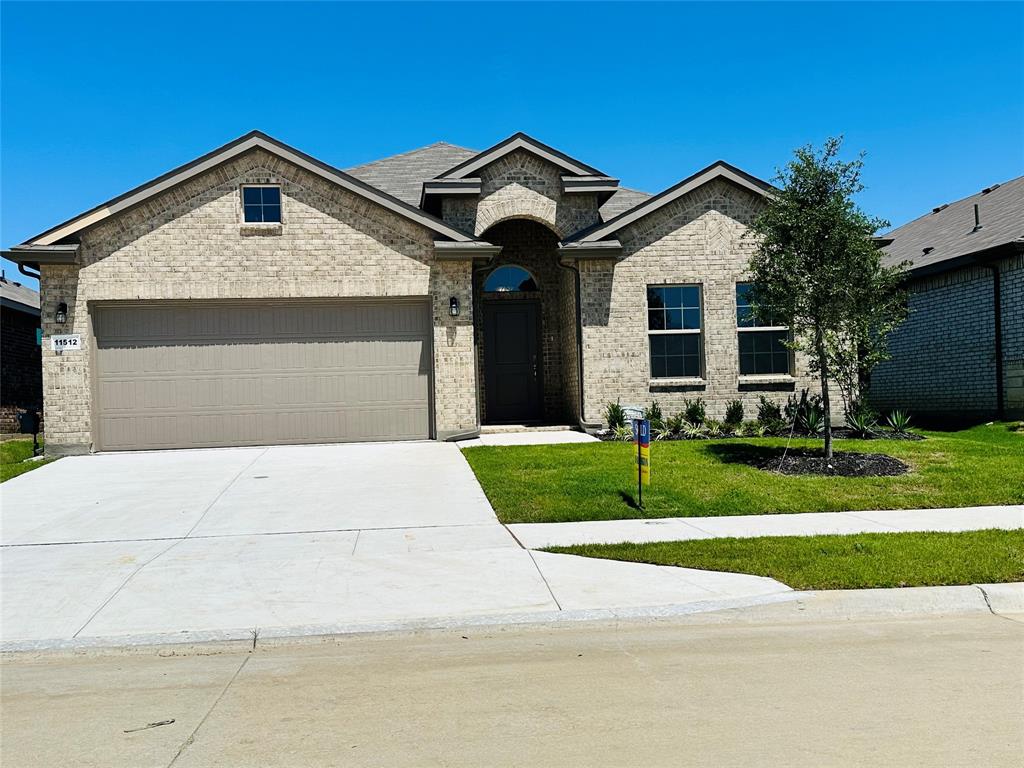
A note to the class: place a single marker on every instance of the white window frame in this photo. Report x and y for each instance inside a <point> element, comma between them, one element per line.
<point>698,332</point>
<point>757,329</point>
<point>241,202</point>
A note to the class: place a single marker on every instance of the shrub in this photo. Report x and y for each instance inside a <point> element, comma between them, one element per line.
<point>653,414</point>
<point>674,424</point>
<point>714,428</point>
<point>615,415</point>
<point>733,413</point>
<point>812,421</point>
<point>623,432</point>
<point>695,411</point>
<point>806,413</point>
<point>899,421</point>
<point>768,411</point>
<point>862,423</point>
<point>693,431</point>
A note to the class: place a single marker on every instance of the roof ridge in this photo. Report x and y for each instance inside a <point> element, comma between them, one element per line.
<point>407,153</point>
<point>944,206</point>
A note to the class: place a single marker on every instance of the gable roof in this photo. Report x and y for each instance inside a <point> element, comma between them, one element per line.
<point>717,170</point>
<point>515,142</point>
<point>247,143</point>
<point>19,297</point>
<point>949,234</point>
<point>402,175</point>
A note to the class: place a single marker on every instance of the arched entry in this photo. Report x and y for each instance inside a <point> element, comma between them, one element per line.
<point>525,328</point>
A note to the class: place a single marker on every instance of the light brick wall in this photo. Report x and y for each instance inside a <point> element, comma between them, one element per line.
<point>700,239</point>
<point>189,243</point>
<point>943,355</point>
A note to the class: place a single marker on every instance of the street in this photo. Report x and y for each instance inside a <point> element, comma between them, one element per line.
<point>930,691</point>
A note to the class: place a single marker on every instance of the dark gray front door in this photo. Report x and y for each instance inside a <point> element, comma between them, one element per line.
<point>512,361</point>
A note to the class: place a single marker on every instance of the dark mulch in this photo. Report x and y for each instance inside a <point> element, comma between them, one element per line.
<point>838,433</point>
<point>842,464</point>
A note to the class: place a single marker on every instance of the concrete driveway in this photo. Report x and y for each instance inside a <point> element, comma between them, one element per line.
<point>201,544</point>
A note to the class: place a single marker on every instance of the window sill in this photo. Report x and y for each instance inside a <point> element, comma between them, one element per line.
<point>766,378</point>
<point>261,229</point>
<point>684,381</point>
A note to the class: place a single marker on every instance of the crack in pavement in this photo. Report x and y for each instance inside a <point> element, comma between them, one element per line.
<point>192,736</point>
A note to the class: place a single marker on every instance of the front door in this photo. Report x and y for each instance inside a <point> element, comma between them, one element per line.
<point>512,362</point>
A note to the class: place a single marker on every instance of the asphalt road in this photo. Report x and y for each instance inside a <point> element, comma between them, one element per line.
<point>908,692</point>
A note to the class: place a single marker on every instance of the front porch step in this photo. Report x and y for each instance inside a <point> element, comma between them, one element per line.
<point>504,429</point>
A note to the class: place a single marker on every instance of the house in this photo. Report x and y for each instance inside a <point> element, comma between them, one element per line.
<point>959,356</point>
<point>21,371</point>
<point>257,295</point>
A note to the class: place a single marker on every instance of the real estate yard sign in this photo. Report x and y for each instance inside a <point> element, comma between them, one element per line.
<point>642,440</point>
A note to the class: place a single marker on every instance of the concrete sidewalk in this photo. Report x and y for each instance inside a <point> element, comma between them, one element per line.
<point>540,535</point>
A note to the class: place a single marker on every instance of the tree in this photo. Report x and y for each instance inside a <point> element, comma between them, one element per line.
<point>818,270</point>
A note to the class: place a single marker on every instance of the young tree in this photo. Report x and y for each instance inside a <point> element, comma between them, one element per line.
<point>818,270</point>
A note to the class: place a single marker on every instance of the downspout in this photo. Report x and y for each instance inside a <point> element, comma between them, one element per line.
<point>583,424</point>
<point>27,273</point>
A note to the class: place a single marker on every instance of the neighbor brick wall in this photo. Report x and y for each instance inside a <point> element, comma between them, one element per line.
<point>699,239</point>
<point>943,355</point>
<point>21,372</point>
<point>189,243</point>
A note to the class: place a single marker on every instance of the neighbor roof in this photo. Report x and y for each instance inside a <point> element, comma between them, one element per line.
<point>17,296</point>
<point>250,141</point>
<point>949,234</point>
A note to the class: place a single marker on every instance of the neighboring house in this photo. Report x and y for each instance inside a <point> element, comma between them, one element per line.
<point>959,356</point>
<point>257,296</point>
<point>21,368</point>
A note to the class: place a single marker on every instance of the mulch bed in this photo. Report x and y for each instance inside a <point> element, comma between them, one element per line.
<point>838,433</point>
<point>842,464</point>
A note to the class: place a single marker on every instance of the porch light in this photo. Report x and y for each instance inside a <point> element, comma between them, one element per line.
<point>62,314</point>
<point>453,306</point>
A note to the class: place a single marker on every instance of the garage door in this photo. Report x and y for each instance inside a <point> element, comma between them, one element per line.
<point>256,373</point>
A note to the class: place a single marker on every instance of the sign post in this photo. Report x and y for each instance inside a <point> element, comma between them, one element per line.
<point>642,438</point>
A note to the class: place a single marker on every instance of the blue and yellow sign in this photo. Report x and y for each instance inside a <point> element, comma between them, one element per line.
<point>642,441</point>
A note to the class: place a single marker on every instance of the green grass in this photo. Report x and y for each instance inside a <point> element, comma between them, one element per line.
<point>859,561</point>
<point>12,459</point>
<point>597,481</point>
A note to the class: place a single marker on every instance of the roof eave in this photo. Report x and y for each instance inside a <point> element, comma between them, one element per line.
<point>33,255</point>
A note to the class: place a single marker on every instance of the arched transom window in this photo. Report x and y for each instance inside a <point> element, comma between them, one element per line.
<point>508,279</point>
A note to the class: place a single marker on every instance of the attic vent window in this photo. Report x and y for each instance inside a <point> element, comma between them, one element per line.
<point>261,204</point>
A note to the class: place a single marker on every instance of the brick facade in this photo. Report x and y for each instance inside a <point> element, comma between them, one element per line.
<point>700,239</point>
<point>21,374</point>
<point>189,243</point>
<point>943,355</point>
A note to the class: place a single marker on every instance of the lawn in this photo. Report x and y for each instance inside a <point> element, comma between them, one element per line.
<point>12,459</point>
<point>597,481</point>
<point>859,561</point>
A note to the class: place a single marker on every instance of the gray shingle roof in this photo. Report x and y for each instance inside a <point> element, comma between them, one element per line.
<point>403,175</point>
<point>17,294</point>
<point>949,231</point>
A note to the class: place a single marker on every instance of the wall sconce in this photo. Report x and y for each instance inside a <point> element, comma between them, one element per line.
<point>62,314</point>
<point>453,306</point>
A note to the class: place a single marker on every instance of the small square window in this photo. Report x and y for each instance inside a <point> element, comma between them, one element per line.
<point>261,205</point>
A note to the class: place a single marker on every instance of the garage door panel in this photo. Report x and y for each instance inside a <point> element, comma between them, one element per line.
<point>237,374</point>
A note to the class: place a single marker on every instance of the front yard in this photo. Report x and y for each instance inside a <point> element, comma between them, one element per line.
<point>597,481</point>
<point>858,561</point>
<point>15,458</point>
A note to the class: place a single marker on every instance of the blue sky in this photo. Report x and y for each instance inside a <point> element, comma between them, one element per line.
<point>97,98</point>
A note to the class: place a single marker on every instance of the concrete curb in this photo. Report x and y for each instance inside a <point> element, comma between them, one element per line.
<point>1004,600</point>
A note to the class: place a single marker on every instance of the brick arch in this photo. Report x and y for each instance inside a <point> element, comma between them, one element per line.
<point>517,202</point>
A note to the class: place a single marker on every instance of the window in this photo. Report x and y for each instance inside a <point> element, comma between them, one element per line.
<point>673,330</point>
<point>261,204</point>
<point>762,339</point>
<point>508,279</point>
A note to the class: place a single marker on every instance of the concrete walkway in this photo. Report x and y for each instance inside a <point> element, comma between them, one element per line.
<point>195,545</point>
<point>540,535</point>
<point>534,437</point>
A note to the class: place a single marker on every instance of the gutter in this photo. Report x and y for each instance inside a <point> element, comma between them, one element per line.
<point>997,331</point>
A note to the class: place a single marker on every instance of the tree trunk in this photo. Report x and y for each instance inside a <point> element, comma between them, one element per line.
<point>819,344</point>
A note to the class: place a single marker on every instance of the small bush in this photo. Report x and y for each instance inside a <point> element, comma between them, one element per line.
<point>695,411</point>
<point>899,421</point>
<point>615,415</point>
<point>693,431</point>
<point>862,423</point>
<point>806,413</point>
<point>714,428</point>
<point>624,433</point>
<point>768,411</point>
<point>653,414</point>
<point>733,413</point>
<point>674,424</point>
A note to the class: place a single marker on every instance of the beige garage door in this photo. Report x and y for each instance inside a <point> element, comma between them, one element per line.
<point>200,374</point>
